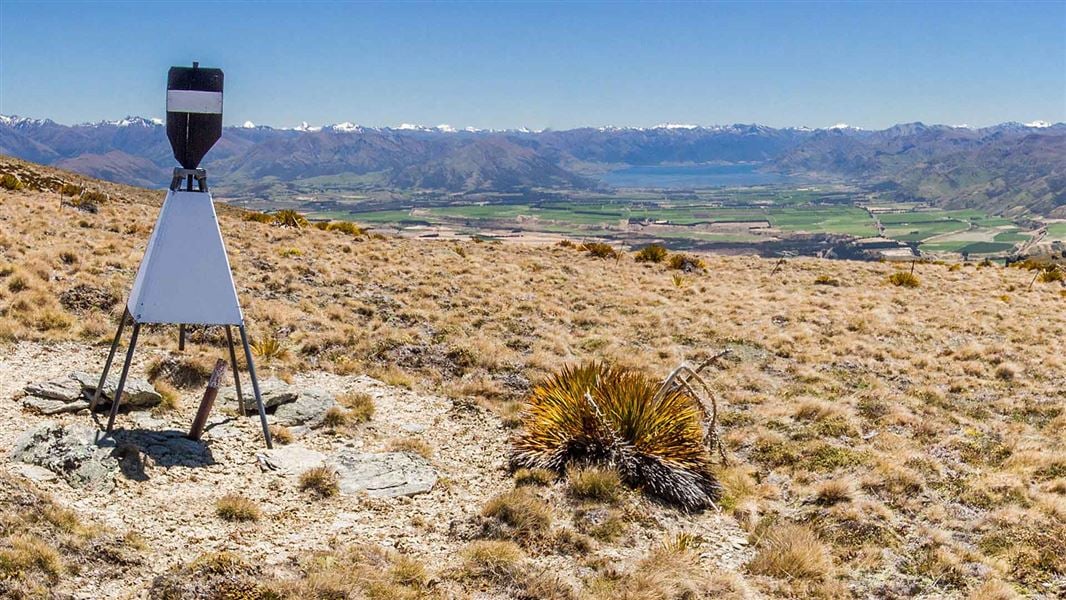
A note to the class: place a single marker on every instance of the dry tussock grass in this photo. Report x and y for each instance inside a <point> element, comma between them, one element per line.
<point>943,404</point>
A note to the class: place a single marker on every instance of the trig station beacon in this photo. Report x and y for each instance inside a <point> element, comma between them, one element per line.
<point>184,277</point>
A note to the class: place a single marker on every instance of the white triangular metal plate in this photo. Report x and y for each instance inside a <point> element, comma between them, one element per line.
<point>184,276</point>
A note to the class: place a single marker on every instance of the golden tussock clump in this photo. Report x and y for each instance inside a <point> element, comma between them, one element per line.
<point>598,414</point>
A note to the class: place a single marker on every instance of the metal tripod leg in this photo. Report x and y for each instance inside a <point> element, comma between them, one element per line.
<point>107,365</point>
<point>122,379</point>
<point>255,385</point>
<point>236,373</point>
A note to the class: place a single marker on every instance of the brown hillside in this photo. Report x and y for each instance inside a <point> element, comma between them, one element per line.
<point>884,440</point>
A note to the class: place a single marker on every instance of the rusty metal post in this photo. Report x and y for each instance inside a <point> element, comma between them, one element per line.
<point>181,337</point>
<point>208,401</point>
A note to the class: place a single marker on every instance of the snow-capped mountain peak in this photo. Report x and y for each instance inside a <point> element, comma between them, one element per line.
<point>1038,124</point>
<point>676,126</point>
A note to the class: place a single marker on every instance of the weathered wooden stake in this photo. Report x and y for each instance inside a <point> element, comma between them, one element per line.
<point>208,401</point>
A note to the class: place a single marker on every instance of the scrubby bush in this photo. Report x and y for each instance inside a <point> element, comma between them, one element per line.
<point>234,507</point>
<point>527,516</point>
<point>70,189</point>
<point>600,250</point>
<point>322,481</point>
<point>684,262</point>
<point>792,552</point>
<point>342,226</point>
<point>258,217</point>
<point>360,406</point>
<point>10,182</point>
<point>1051,274</point>
<point>596,413</point>
<point>412,445</point>
<point>826,280</point>
<point>495,560</point>
<point>541,477</point>
<point>91,197</point>
<point>654,253</point>
<point>281,434</point>
<point>903,279</point>
<point>290,218</point>
<point>602,485</point>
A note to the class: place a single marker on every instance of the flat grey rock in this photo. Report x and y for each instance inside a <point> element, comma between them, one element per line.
<point>274,392</point>
<point>289,460</point>
<point>66,390</point>
<point>308,409</point>
<point>383,474</point>
<point>48,406</point>
<point>70,452</point>
<point>137,393</point>
<point>33,472</point>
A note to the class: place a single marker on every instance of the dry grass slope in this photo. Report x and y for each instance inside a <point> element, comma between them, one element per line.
<point>915,434</point>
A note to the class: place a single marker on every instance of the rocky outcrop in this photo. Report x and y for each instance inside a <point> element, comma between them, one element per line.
<point>70,452</point>
<point>72,393</point>
<point>290,406</point>
<point>309,409</point>
<point>79,454</point>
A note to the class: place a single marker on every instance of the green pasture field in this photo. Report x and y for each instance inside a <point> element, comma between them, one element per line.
<point>824,219</point>
<point>970,247</point>
<point>1056,231</point>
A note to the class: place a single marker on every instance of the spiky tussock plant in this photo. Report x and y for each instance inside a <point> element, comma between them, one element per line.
<point>599,414</point>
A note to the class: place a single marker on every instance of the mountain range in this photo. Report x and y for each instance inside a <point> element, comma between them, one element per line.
<point>1011,168</point>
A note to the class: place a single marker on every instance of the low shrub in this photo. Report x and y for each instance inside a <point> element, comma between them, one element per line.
<point>904,279</point>
<point>322,481</point>
<point>541,477</point>
<point>412,445</point>
<point>653,253</point>
<point>600,250</point>
<point>360,406</point>
<point>684,262</point>
<point>601,485</point>
<point>791,552</point>
<point>826,280</point>
<point>234,507</point>
<point>527,516</point>
<point>290,218</point>
<point>498,561</point>
<point>10,182</point>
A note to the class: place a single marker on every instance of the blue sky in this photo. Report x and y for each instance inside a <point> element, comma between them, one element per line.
<point>557,65</point>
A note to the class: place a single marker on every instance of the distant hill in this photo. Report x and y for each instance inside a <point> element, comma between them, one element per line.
<point>1007,169</point>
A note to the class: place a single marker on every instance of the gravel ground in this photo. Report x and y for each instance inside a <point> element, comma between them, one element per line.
<point>174,508</point>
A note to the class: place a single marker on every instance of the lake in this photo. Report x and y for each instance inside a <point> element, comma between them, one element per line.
<point>692,176</point>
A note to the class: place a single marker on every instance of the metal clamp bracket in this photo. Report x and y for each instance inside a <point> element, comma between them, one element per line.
<point>189,175</point>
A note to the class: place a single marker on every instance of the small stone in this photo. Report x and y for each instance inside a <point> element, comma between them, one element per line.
<point>309,409</point>
<point>33,472</point>
<point>46,406</point>
<point>289,460</point>
<point>383,474</point>
<point>67,390</point>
